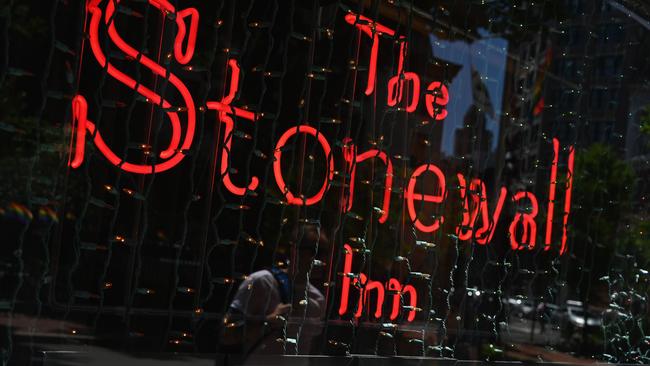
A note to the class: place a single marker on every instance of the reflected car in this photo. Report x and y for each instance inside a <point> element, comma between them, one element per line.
<point>576,316</point>
<point>520,307</point>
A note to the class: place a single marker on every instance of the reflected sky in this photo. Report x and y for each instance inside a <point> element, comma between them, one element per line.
<point>488,57</point>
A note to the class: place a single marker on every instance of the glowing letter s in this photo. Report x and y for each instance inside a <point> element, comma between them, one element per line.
<point>172,154</point>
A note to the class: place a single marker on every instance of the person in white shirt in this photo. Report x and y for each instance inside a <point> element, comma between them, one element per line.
<point>277,310</point>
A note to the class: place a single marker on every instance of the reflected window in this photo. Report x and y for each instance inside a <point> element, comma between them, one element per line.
<point>600,131</point>
<point>568,99</point>
<point>605,6</point>
<point>610,34</point>
<point>568,68</point>
<point>573,36</point>
<point>608,66</point>
<point>574,6</point>
<point>598,98</point>
<point>602,98</point>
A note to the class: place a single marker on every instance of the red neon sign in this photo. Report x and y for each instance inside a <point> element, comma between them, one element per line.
<point>476,221</point>
<point>465,230</point>
<point>436,99</point>
<point>224,111</point>
<point>365,285</point>
<point>477,224</point>
<point>485,233</point>
<point>527,219</point>
<point>567,196</point>
<point>352,159</point>
<point>277,165</point>
<point>437,95</point>
<point>437,197</point>
<point>551,195</point>
<point>395,90</point>
<point>374,30</point>
<point>173,154</point>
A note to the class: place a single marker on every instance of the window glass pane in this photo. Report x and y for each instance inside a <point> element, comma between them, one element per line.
<point>324,182</point>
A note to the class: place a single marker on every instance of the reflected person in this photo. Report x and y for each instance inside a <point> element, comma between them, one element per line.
<point>266,313</point>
